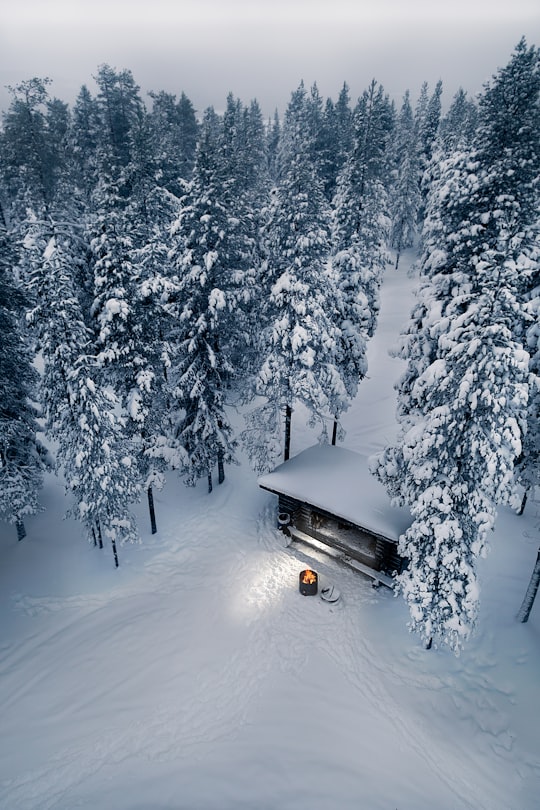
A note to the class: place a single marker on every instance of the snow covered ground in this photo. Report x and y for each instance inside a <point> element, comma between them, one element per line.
<point>196,677</point>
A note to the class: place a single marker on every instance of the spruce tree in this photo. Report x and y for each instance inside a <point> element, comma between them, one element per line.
<point>29,155</point>
<point>174,129</point>
<point>360,233</point>
<point>85,136</point>
<point>335,137</point>
<point>428,125</point>
<point>189,134</point>
<point>120,105</point>
<point>344,124</point>
<point>463,398</point>
<point>299,340</point>
<point>244,192</point>
<point>202,298</point>
<point>405,192</point>
<point>458,126</point>
<point>528,464</point>
<point>148,214</point>
<point>81,413</point>
<point>129,253</point>
<point>111,244</point>
<point>272,145</point>
<point>528,467</point>
<point>23,457</point>
<point>427,131</point>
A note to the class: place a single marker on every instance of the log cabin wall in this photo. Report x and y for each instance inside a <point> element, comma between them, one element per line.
<point>345,536</point>
<point>290,506</point>
<point>390,561</point>
<point>370,549</point>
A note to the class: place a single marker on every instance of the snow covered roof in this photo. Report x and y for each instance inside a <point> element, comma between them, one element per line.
<point>338,481</point>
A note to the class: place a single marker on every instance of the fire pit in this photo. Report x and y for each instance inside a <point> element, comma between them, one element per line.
<point>308,582</point>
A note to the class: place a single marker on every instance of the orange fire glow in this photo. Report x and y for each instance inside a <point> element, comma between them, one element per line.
<point>309,577</point>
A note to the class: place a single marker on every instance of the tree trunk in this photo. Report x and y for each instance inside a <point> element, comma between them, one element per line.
<point>152,510</point>
<point>210,487</point>
<point>221,467</point>
<point>115,553</point>
<point>94,536</point>
<point>530,596</point>
<point>288,417</point>
<point>21,530</point>
<point>397,259</point>
<point>523,502</point>
<point>334,431</point>
<point>100,538</point>
<point>3,216</point>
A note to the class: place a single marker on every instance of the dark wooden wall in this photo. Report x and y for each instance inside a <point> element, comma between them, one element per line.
<point>377,552</point>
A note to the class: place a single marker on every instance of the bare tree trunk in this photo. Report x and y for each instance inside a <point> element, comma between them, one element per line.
<point>152,510</point>
<point>530,596</point>
<point>220,464</point>
<point>288,417</point>
<point>94,536</point>
<point>210,487</point>
<point>399,245</point>
<point>3,216</point>
<point>221,467</point>
<point>115,554</point>
<point>21,530</point>
<point>100,538</point>
<point>523,502</point>
<point>334,430</point>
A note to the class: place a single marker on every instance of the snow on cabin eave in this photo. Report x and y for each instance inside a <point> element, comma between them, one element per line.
<point>338,481</point>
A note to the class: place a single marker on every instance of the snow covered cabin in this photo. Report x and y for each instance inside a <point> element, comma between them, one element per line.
<point>328,498</point>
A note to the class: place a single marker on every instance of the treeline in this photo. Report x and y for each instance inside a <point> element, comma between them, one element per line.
<point>156,261</point>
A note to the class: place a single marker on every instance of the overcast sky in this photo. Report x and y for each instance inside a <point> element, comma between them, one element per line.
<point>262,48</point>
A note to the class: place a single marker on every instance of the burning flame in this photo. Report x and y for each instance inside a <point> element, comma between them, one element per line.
<point>309,577</point>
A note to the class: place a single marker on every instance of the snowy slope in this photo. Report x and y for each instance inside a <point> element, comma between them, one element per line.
<point>196,677</point>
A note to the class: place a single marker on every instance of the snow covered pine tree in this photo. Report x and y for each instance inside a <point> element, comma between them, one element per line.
<point>299,341</point>
<point>463,398</point>
<point>81,414</point>
<point>201,299</point>
<point>22,456</point>
<point>405,194</point>
<point>359,236</point>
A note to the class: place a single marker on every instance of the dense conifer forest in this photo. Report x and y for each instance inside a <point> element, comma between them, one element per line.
<point>155,260</point>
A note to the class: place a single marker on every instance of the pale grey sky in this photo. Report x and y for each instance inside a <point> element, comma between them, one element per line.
<point>262,48</point>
